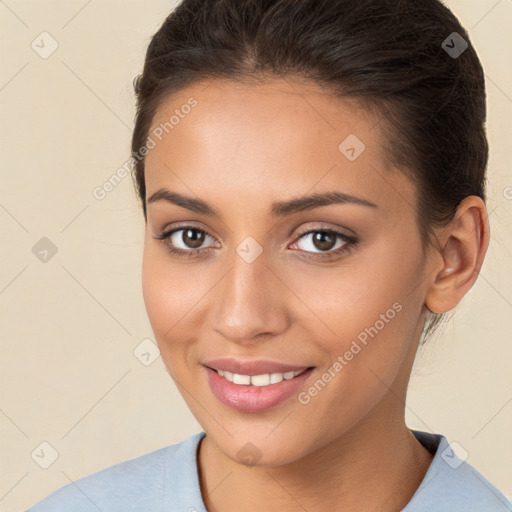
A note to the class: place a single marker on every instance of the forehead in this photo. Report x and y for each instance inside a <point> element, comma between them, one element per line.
<point>276,138</point>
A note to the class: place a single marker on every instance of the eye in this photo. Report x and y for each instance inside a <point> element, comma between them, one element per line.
<point>328,242</point>
<point>185,241</point>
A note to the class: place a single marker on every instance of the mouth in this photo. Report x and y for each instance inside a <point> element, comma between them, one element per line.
<point>254,386</point>
<point>261,380</point>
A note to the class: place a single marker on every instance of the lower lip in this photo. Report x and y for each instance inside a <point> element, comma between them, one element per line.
<point>254,398</point>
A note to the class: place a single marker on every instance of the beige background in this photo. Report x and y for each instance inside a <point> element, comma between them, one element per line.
<point>69,325</point>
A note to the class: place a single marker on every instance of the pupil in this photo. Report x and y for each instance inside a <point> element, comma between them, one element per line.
<point>193,241</point>
<point>323,240</point>
<point>194,238</point>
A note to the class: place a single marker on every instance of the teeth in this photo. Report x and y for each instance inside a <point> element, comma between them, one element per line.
<point>275,378</point>
<point>227,375</point>
<point>241,379</point>
<point>258,380</point>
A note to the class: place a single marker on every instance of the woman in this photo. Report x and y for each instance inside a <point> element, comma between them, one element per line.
<point>312,178</point>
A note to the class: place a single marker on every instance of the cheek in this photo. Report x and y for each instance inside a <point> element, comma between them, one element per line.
<point>365,326</point>
<point>173,294</point>
<point>368,319</point>
<point>345,301</point>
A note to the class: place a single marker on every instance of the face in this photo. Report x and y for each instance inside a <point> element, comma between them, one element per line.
<point>249,277</point>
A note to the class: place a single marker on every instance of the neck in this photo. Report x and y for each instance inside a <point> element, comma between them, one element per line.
<point>377,466</point>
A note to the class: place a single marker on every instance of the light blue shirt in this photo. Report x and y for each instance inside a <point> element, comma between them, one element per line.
<point>166,480</point>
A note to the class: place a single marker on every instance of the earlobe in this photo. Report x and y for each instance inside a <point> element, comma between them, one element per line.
<point>462,247</point>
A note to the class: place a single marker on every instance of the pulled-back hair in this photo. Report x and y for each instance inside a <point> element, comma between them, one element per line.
<point>391,56</point>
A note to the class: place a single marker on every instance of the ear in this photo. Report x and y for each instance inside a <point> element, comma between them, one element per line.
<point>460,254</point>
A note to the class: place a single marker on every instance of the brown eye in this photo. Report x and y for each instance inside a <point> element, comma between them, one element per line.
<point>323,244</point>
<point>321,240</point>
<point>185,241</point>
<point>192,239</point>
<point>324,241</point>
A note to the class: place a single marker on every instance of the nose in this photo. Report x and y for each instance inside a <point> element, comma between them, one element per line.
<point>250,303</point>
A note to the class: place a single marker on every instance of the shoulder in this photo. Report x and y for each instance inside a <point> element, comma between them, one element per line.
<point>137,484</point>
<point>451,484</point>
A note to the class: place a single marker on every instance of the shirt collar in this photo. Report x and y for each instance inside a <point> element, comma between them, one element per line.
<point>183,493</point>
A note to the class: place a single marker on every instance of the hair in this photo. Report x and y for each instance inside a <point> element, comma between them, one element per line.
<point>388,55</point>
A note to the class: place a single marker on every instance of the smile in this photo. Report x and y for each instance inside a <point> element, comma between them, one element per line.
<point>257,392</point>
<point>264,379</point>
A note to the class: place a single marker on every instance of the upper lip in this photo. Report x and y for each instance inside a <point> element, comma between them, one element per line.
<point>252,367</point>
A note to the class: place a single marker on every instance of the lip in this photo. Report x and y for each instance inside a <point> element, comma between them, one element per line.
<point>248,398</point>
<point>251,367</point>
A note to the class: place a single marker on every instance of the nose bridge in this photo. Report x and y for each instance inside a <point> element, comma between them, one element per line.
<point>246,303</point>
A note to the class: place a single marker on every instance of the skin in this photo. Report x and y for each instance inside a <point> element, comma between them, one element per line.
<point>241,148</point>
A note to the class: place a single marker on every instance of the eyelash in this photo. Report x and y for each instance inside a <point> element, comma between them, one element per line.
<point>350,242</point>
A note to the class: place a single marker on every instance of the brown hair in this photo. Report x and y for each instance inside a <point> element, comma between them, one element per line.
<point>392,56</point>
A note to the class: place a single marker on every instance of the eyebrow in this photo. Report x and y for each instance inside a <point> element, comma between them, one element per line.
<point>279,208</point>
